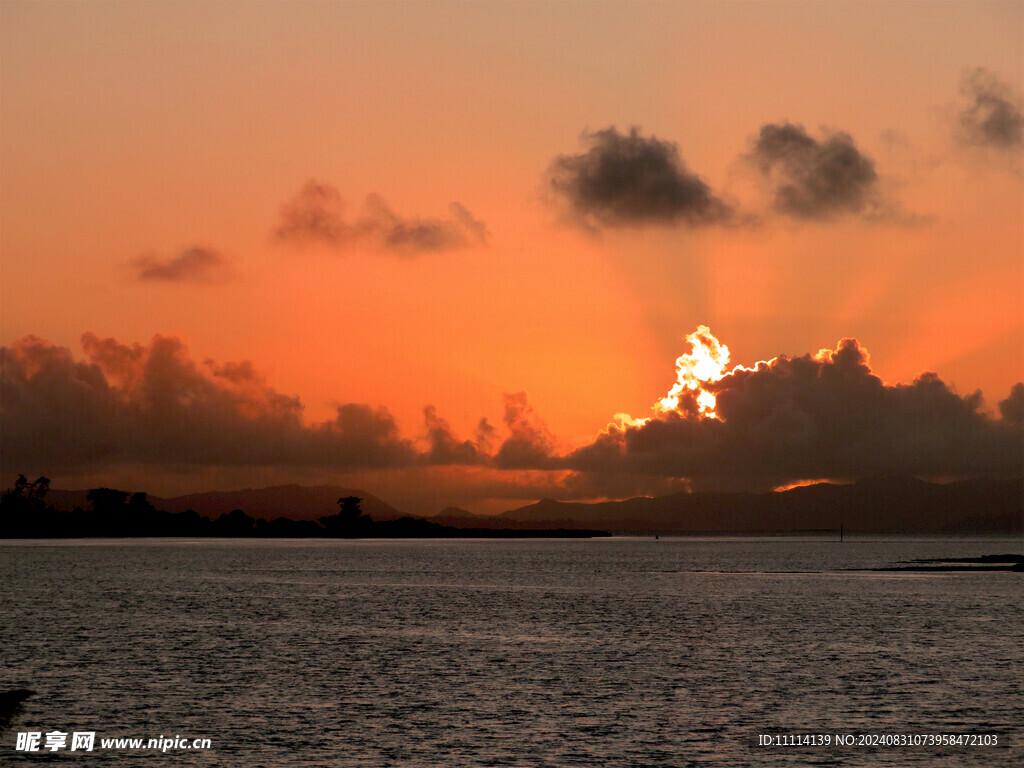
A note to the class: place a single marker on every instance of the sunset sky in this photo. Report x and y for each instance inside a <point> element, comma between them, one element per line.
<point>248,243</point>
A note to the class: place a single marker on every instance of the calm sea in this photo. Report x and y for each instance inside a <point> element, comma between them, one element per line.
<point>618,652</point>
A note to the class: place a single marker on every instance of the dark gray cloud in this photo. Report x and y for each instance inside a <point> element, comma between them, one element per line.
<point>152,404</point>
<point>793,418</point>
<point>193,265</point>
<point>820,416</point>
<point>993,115</point>
<point>444,448</point>
<point>631,180</point>
<point>1012,408</point>
<point>316,216</point>
<point>529,445</point>
<point>408,236</point>
<point>816,180</point>
<point>485,435</point>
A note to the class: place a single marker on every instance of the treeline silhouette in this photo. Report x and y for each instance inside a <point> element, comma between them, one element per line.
<point>24,514</point>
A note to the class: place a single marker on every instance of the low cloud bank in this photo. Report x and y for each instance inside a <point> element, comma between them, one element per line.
<point>824,415</point>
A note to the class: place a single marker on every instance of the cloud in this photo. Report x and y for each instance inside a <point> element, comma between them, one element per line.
<point>152,408</point>
<point>152,404</point>
<point>530,445</point>
<point>485,433</point>
<point>823,415</point>
<point>444,447</point>
<point>813,179</point>
<point>1012,408</point>
<point>993,117</point>
<point>193,265</point>
<point>629,180</point>
<point>316,216</point>
<point>409,236</point>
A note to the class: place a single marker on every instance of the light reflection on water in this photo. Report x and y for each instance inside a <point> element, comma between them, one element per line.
<point>614,652</point>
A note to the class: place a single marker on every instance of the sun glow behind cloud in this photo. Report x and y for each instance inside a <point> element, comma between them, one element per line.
<point>129,409</point>
<point>691,394</point>
<point>704,365</point>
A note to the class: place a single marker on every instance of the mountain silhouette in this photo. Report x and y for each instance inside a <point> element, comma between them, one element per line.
<point>879,505</point>
<point>882,505</point>
<point>296,502</point>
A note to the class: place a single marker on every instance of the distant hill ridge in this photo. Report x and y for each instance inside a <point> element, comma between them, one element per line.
<point>883,505</point>
<point>297,502</point>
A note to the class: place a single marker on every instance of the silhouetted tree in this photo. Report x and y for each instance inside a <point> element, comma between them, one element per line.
<point>139,503</point>
<point>349,508</point>
<point>109,512</point>
<point>234,523</point>
<point>188,523</point>
<point>350,521</point>
<point>26,494</point>
<point>106,500</point>
<point>39,488</point>
<point>23,510</point>
<point>285,528</point>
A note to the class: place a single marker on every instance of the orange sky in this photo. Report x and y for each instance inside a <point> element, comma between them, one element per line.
<point>140,130</point>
